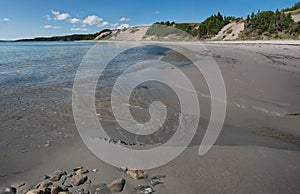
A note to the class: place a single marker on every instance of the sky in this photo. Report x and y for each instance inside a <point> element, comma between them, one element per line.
<point>36,18</point>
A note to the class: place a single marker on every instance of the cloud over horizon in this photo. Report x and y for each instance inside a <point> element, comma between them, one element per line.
<point>123,19</point>
<point>60,16</point>
<point>92,20</point>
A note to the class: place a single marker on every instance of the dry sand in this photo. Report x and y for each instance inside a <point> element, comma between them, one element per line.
<point>257,151</point>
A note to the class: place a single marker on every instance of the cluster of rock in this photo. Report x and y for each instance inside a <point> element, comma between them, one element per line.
<point>77,181</point>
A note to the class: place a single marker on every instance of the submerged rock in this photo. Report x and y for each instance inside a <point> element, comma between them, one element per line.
<point>117,185</point>
<point>137,174</point>
<point>153,183</point>
<point>18,184</point>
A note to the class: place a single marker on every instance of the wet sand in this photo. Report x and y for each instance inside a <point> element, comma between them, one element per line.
<point>257,151</point>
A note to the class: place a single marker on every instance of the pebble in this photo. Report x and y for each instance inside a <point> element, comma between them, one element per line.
<point>117,185</point>
<point>153,183</point>
<point>137,174</point>
<point>144,190</point>
<point>95,170</point>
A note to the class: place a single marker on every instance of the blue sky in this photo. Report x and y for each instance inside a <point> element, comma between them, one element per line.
<point>32,18</point>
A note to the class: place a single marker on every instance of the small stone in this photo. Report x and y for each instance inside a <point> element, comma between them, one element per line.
<point>95,170</point>
<point>55,189</point>
<point>124,169</point>
<point>153,183</point>
<point>56,175</point>
<point>81,171</point>
<point>117,185</point>
<point>78,179</point>
<point>137,174</point>
<point>8,190</point>
<point>64,192</point>
<point>18,184</point>
<point>144,190</point>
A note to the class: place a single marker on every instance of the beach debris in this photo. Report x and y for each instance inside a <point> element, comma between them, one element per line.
<point>81,171</point>
<point>153,183</point>
<point>57,174</point>
<point>137,174</point>
<point>144,189</point>
<point>117,185</point>
<point>8,190</point>
<point>55,189</point>
<point>18,184</point>
<point>78,179</point>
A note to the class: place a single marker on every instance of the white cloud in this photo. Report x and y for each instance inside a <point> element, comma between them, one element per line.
<point>79,29</point>
<point>92,20</point>
<point>123,26</point>
<point>60,16</point>
<point>51,27</point>
<point>6,19</point>
<point>156,12</point>
<point>103,24</point>
<point>74,20</point>
<point>123,19</point>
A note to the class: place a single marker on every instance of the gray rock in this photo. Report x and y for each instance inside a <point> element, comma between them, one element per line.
<point>77,168</point>
<point>8,190</point>
<point>159,177</point>
<point>117,185</point>
<point>57,174</point>
<point>144,190</point>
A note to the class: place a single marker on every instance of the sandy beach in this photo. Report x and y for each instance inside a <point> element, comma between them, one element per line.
<point>258,150</point>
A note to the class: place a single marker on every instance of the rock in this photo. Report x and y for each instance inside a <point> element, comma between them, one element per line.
<point>56,175</point>
<point>124,169</point>
<point>144,190</point>
<point>43,184</point>
<point>64,192</point>
<point>39,191</point>
<point>18,184</point>
<point>78,179</point>
<point>81,171</point>
<point>137,174</point>
<point>159,177</point>
<point>55,189</point>
<point>153,183</point>
<point>8,190</point>
<point>117,185</point>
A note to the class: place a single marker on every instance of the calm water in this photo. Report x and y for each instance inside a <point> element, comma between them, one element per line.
<point>36,80</point>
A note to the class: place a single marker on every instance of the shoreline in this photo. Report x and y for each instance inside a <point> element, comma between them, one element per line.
<point>257,151</point>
